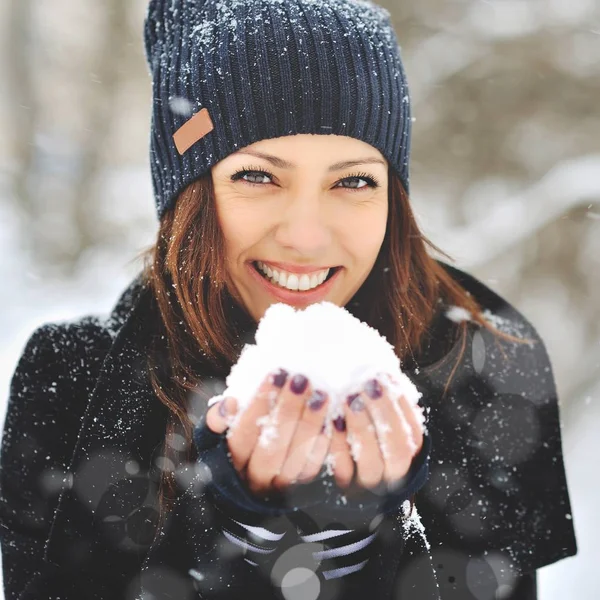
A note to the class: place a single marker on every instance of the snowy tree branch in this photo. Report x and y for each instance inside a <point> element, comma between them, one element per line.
<point>509,222</point>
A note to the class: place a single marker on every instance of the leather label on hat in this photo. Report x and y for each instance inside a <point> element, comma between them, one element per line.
<point>193,131</point>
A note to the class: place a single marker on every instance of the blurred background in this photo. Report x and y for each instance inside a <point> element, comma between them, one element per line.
<point>505,178</point>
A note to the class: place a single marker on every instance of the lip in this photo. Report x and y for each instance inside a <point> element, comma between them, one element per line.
<point>298,299</point>
<point>294,268</point>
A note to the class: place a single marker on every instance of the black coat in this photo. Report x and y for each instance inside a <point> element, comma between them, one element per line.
<point>78,497</point>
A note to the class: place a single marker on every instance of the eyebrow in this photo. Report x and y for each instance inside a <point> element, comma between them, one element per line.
<point>284,164</point>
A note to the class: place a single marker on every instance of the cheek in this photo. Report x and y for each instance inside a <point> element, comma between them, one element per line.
<point>241,227</point>
<point>364,235</point>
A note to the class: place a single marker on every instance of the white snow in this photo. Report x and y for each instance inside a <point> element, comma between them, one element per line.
<point>268,430</point>
<point>414,526</point>
<point>229,16</point>
<point>458,314</point>
<point>502,324</point>
<point>335,350</point>
<point>355,447</point>
<point>181,106</point>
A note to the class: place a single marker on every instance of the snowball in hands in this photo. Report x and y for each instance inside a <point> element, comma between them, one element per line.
<point>335,350</point>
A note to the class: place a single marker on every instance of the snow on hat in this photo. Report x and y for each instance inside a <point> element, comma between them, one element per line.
<point>229,73</point>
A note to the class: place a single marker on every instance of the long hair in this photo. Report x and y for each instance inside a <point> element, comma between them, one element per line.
<point>187,277</point>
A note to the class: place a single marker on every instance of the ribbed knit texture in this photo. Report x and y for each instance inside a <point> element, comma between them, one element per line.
<point>271,68</point>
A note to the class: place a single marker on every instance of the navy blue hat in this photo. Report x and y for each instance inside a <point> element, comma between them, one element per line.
<point>229,73</point>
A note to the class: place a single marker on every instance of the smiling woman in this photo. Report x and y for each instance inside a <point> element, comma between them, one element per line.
<point>307,205</point>
<point>280,145</point>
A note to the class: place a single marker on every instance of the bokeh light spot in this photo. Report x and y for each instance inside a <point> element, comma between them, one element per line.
<point>300,584</point>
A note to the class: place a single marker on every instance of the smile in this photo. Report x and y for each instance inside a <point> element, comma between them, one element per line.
<point>292,281</point>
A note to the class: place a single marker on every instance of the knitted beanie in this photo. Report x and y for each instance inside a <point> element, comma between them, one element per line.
<point>229,73</point>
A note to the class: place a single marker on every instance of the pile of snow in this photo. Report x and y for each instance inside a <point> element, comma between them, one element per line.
<point>335,350</point>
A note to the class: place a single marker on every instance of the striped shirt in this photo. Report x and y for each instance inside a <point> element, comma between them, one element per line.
<point>336,551</point>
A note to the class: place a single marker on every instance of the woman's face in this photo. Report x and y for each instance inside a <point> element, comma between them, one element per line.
<point>303,218</point>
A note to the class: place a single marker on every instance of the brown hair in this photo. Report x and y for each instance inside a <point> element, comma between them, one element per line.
<point>186,274</point>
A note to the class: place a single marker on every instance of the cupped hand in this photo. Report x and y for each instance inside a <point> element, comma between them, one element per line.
<point>277,440</point>
<point>384,435</point>
<point>281,438</point>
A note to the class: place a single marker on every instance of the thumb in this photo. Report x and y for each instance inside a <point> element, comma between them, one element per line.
<point>220,414</point>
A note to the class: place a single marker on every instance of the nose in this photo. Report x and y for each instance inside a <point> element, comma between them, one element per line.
<point>304,226</point>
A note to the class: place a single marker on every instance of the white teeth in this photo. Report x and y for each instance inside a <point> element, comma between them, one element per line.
<point>283,279</point>
<point>304,283</point>
<point>292,281</point>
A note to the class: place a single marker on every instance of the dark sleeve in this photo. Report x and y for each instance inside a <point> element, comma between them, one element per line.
<point>496,506</point>
<point>45,407</point>
<point>322,498</point>
<point>525,587</point>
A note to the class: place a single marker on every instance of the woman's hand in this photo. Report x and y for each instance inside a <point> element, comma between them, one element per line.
<point>281,439</point>
<point>384,436</point>
<point>277,440</point>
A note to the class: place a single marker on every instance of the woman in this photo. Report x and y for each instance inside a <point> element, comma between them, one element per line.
<point>280,146</point>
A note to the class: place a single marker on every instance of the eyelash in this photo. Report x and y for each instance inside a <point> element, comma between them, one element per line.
<point>371,181</point>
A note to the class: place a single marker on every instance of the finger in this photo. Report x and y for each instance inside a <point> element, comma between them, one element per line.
<point>413,416</point>
<point>363,443</point>
<point>339,454</point>
<point>219,416</point>
<point>394,434</point>
<point>244,432</point>
<point>309,427</point>
<point>277,432</point>
<point>315,458</point>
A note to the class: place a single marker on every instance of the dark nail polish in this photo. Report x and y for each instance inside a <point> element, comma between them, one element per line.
<point>374,389</point>
<point>280,378</point>
<point>222,408</point>
<point>317,400</point>
<point>323,428</point>
<point>340,424</point>
<point>355,402</point>
<point>299,384</point>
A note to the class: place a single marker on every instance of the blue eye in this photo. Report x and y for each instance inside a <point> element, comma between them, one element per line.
<point>358,183</point>
<point>253,176</point>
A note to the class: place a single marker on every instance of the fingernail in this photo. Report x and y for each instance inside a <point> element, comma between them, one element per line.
<point>373,389</point>
<point>355,402</point>
<point>317,400</point>
<point>280,378</point>
<point>223,408</point>
<point>299,384</point>
<point>340,424</point>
